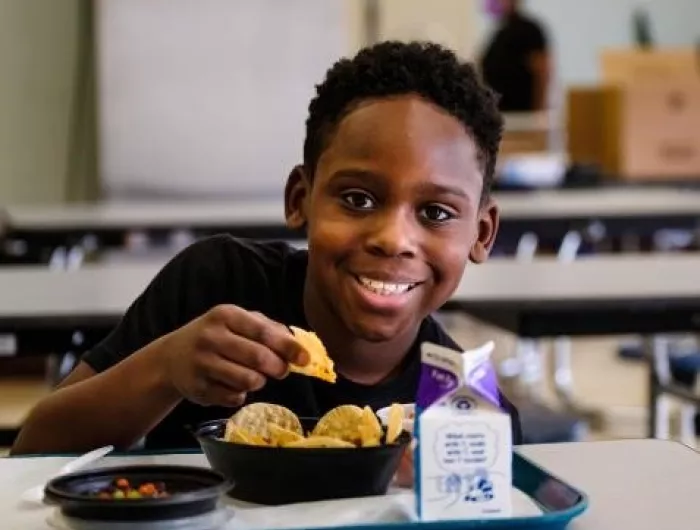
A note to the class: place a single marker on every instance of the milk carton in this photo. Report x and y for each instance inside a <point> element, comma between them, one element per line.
<point>464,452</point>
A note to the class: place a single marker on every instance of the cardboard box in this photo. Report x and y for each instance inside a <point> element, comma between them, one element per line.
<point>642,132</point>
<point>629,66</point>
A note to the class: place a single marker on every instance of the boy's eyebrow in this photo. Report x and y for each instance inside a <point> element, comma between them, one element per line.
<point>430,188</point>
<point>362,174</point>
<point>426,188</point>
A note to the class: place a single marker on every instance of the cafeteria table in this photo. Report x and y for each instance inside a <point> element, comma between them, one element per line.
<point>39,233</point>
<point>647,295</point>
<point>636,294</point>
<point>44,311</point>
<point>635,484</point>
<point>596,213</point>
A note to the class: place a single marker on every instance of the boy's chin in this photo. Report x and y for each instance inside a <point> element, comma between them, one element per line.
<point>378,331</point>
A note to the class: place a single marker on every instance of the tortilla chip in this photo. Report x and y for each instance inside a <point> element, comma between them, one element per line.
<point>369,428</point>
<point>341,422</point>
<point>256,418</point>
<point>237,435</point>
<point>279,436</point>
<point>320,442</point>
<point>394,423</point>
<point>346,426</point>
<point>320,364</point>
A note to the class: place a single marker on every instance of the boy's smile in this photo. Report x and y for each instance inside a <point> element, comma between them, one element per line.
<point>392,215</point>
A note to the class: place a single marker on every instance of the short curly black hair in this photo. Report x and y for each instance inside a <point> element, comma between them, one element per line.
<point>393,68</point>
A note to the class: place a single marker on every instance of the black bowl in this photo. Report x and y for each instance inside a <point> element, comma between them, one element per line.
<point>192,491</point>
<point>273,475</point>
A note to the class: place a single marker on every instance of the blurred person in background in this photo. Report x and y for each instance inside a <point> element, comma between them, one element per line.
<point>516,59</point>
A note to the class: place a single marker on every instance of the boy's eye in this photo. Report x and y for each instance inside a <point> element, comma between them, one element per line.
<point>358,200</point>
<point>436,213</point>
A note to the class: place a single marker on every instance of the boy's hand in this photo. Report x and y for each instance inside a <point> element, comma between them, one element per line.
<point>221,356</point>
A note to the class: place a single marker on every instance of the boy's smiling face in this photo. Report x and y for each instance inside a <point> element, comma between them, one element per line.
<point>393,214</point>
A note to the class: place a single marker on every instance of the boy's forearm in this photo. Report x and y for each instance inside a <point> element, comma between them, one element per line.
<point>116,407</point>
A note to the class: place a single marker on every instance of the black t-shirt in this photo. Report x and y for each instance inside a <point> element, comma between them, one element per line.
<point>506,63</point>
<point>264,277</point>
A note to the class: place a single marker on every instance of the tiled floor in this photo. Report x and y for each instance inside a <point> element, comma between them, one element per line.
<point>602,381</point>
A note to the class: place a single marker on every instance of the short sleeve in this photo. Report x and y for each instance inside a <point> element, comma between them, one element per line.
<point>188,286</point>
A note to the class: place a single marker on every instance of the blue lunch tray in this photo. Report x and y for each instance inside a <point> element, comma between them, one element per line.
<point>559,502</point>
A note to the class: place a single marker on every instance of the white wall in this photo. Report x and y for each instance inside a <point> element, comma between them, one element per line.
<point>209,98</point>
<point>37,61</point>
<point>450,22</point>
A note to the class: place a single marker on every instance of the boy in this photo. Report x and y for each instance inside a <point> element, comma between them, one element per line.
<point>401,144</point>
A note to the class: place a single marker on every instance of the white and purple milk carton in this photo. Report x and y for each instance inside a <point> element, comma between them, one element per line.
<point>464,452</point>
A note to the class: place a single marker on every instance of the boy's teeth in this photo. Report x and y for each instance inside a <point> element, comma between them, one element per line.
<point>385,288</point>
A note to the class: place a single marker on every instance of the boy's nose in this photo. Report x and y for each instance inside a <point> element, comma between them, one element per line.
<point>393,235</point>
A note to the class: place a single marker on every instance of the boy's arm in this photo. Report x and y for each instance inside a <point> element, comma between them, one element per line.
<point>117,393</point>
<point>117,406</point>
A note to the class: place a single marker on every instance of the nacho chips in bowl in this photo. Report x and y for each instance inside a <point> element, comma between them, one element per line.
<point>271,459</point>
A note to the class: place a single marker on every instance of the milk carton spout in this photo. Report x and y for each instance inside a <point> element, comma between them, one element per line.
<point>479,374</point>
<point>444,370</point>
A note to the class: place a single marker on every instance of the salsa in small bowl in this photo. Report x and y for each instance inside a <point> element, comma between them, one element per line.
<point>137,493</point>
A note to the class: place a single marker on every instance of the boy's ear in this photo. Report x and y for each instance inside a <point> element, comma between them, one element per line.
<point>296,193</point>
<point>488,228</point>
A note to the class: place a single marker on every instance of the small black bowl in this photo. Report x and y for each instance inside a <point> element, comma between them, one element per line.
<point>273,475</point>
<point>192,491</point>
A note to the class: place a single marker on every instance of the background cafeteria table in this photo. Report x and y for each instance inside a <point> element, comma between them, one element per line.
<point>43,311</point>
<point>650,293</point>
<point>598,213</point>
<point>595,213</point>
<point>643,295</point>
<point>631,484</point>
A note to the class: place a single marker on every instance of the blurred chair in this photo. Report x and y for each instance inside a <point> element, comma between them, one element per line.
<point>528,362</point>
<point>526,365</point>
<point>687,367</point>
<point>679,362</point>
<point>540,423</point>
<point>562,374</point>
<point>60,364</point>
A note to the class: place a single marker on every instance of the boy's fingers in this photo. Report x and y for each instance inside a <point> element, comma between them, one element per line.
<point>258,328</point>
<point>250,354</point>
<point>236,377</point>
